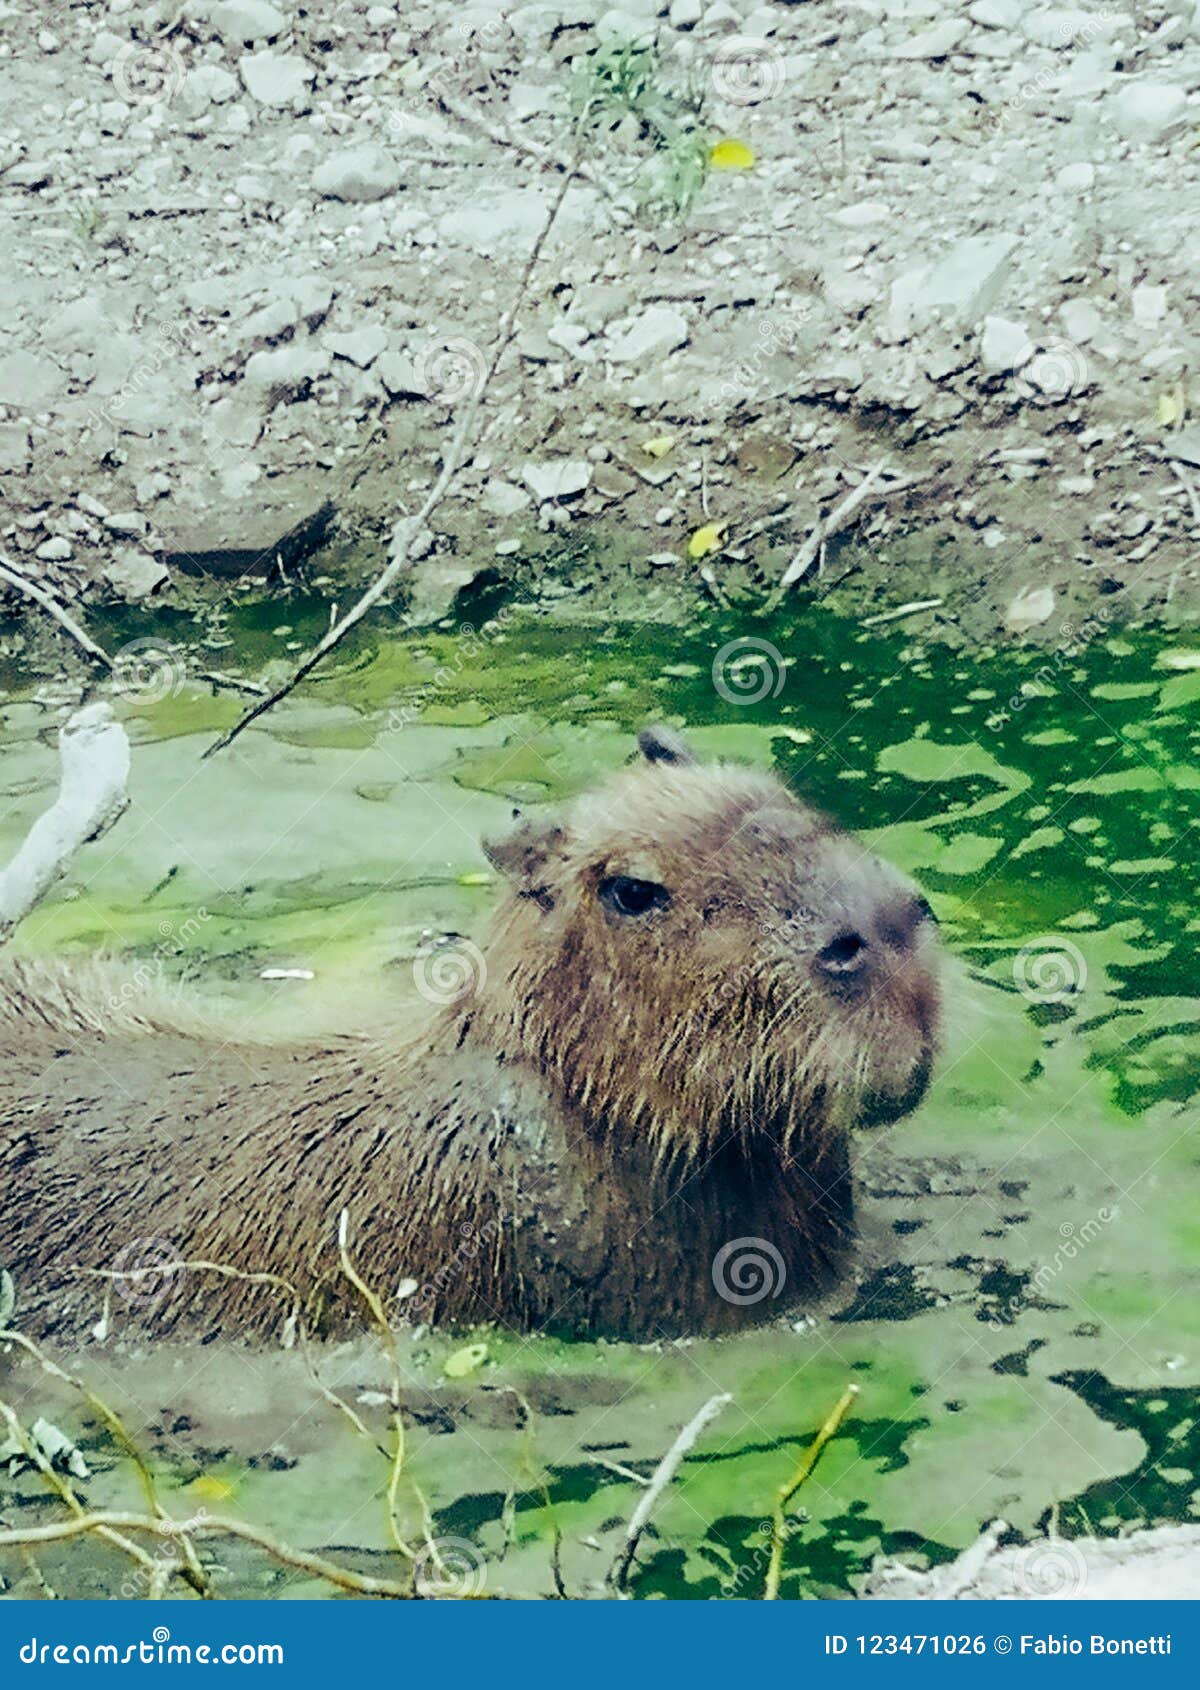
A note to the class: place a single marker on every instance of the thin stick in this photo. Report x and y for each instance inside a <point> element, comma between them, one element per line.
<point>233,682</point>
<point>206,1525</point>
<point>195,1573</point>
<point>787,1491</point>
<point>901,610</point>
<point>9,573</point>
<point>66,1494</point>
<point>839,518</point>
<point>412,527</point>
<point>534,149</point>
<point>661,1478</point>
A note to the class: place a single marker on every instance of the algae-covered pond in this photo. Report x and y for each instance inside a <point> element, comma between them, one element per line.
<point>1026,1333</point>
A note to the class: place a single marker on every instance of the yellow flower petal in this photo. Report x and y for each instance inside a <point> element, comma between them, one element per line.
<point>731,155</point>
<point>706,539</point>
<point>659,446</point>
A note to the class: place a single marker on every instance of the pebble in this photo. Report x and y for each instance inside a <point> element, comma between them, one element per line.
<point>55,550</point>
<point>246,21</point>
<point>933,43</point>
<point>359,175</point>
<point>133,574</point>
<point>1066,29</point>
<point>1004,345</point>
<point>995,14</point>
<point>28,381</point>
<point>131,525</point>
<point>685,14</point>
<point>657,331</point>
<point>1149,306</point>
<point>561,478</point>
<point>1080,319</point>
<point>360,346</point>
<point>1146,111</point>
<point>1079,177</point>
<point>276,79</point>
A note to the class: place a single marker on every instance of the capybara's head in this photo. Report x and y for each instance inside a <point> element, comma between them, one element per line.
<point>692,954</point>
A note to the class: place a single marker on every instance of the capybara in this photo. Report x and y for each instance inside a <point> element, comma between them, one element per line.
<point>633,1121</point>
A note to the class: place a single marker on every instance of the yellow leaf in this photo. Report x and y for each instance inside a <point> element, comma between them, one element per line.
<point>707,539</point>
<point>1168,410</point>
<point>475,877</point>
<point>659,446</point>
<point>731,155</point>
<point>211,1489</point>
<point>465,1361</point>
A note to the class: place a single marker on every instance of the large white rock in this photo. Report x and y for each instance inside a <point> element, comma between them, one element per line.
<point>561,478</point>
<point>652,334</point>
<point>359,175</point>
<point>1146,111</point>
<point>276,79</point>
<point>246,21</point>
<point>1004,345</point>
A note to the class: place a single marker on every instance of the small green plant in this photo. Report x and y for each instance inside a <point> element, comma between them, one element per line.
<point>619,94</point>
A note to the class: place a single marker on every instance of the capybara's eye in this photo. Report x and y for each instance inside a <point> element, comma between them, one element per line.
<point>925,911</point>
<point>626,896</point>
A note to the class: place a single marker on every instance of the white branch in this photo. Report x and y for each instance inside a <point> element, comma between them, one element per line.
<point>93,791</point>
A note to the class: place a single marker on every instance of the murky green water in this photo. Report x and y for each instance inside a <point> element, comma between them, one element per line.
<point>1027,1335</point>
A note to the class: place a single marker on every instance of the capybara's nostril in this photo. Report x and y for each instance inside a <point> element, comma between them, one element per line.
<point>845,954</point>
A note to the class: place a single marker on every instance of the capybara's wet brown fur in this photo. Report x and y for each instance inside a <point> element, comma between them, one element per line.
<point>634,1121</point>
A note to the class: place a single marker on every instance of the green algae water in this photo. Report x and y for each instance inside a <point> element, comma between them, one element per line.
<point>1025,1333</point>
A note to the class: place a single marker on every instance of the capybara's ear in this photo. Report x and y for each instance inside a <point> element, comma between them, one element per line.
<point>664,745</point>
<point>523,856</point>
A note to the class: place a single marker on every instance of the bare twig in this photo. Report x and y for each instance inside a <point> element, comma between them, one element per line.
<point>533,149</point>
<point>10,573</point>
<point>195,1573</point>
<point>113,1524</point>
<point>451,464</point>
<point>901,610</point>
<point>870,488</point>
<point>787,1491</point>
<point>233,682</point>
<point>660,1479</point>
<point>93,792</point>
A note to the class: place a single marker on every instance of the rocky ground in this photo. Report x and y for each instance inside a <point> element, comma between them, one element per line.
<point>259,255</point>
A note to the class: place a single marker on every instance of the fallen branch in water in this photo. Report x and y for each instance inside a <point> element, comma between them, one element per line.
<point>660,1479</point>
<point>10,573</point>
<point>93,792</point>
<point>787,1491</point>
<point>451,464</point>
